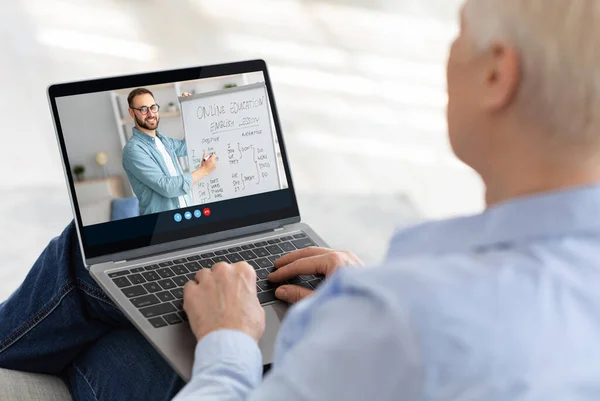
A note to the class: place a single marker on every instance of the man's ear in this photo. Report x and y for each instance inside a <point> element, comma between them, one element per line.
<point>130,110</point>
<point>502,76</point>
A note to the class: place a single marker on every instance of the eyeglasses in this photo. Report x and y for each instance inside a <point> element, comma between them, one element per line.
<point>144,109</point>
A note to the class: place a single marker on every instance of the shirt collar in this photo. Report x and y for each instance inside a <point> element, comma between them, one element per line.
<point>549,215</point>
<point>145,137</point>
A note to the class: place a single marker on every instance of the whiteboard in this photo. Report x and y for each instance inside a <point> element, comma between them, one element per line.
<point>235,125</point>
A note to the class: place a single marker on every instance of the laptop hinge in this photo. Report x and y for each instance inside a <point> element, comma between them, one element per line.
<point>117,262</point>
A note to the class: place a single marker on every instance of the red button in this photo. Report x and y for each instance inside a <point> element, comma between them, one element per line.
<point>206,211</point>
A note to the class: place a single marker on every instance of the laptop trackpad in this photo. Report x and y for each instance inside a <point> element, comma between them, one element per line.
<point>274,314</point>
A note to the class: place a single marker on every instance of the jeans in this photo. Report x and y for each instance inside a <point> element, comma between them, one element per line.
<point>60,322</point>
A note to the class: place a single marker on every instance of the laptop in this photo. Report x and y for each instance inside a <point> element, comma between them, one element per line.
<point>171,172</point>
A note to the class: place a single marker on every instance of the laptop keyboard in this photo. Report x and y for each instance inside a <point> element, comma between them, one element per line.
<point>157,290</point>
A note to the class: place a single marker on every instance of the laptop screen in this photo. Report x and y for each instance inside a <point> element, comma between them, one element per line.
<point>161,157</point>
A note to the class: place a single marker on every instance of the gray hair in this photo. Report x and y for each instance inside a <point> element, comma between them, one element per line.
<point>559,45</point>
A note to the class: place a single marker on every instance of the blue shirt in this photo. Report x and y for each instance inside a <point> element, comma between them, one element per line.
<point>149,176</point>
<point>500,306</point>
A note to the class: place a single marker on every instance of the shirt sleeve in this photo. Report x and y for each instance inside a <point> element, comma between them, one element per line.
<point>340,345</point>
<point>179,146</point>
<point>227,366</point>
<point>138,163</point>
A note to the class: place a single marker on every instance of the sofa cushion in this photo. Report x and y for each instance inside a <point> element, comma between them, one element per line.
<point>22,386</point>
<point>124,208</point>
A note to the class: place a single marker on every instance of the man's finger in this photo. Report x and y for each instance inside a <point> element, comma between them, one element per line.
<point>299,254</point>
<point>292,293</point>
<point>310,265</point>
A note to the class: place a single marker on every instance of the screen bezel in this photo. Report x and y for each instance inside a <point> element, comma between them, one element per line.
<point>146,246</point>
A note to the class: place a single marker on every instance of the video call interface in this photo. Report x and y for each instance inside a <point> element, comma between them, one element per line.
<point>177,148</point>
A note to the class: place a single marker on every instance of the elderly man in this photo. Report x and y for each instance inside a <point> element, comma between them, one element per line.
<point>499,306</point>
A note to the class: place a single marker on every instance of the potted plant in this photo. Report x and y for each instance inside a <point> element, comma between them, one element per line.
<point>171,107</point>
<point>79,171</point>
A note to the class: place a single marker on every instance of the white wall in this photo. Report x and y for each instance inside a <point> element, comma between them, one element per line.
<point>89,126</point>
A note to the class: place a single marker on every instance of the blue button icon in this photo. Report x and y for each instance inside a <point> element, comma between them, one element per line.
<point>188,215</point>
<point>197,213</point>
<point>177,217</point>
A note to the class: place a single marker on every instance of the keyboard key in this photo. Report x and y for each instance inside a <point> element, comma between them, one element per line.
<point>134,291</point>
<point>274,249</point>
<point>207,255</point>
<point>301,235</point>
<point>235,249</point>
<point>118,274</point>
<point>151,276</point>
<point>274,241</point>
<point>293,280</point>
<point>234,258</point>
<point>178,304</point>
<point>261,252</point>
<point>157,310</point>
<point>272,259</point>
<point>267,285</point>
<point>258,289</point>
<point>183,316</point>
<point>166,264</point>
<point>121,282</point>
<point>151,267</point>
<point>165,273</point>
<point>193,258</point>
<point>206,263</point>
<point>158,322</point>
<point>271,269</point>
<point>152,287</point>
<point>262,263</point>
<point>180,280</point>
<point>247,246</point>
<point>287,246</point>
<point>315,283</point>
<point>254,264</point>
<point>306,277</point>
<point>166,284</point>
<point>179,269</point>
<point>248,255</point>
<point>218,259</point>
<point>191,276</point>
<point>287,238</point>
<point>221,252</point>
<point>262,274</point>
<point>136,279</point>
<point>193,266</point>
<point>305,285</point>
<point>172,318</point>
<point>262,243</point>
<point>165,296</point>
<point>145,300</point>
<point>177,293</point>
<point>180,261</point>
<point>302,243</point>
<point>266,296</point>
<point>137,270</point>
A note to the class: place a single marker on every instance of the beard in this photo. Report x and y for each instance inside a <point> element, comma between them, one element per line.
<point>152,125</point>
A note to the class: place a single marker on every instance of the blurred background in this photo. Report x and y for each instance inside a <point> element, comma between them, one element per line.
<point>360,87</point>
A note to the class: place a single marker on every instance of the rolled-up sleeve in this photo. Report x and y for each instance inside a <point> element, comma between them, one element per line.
<point>179,146</point>
<point>140,164</point>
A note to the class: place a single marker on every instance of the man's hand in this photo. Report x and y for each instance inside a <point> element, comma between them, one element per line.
<point>205,169</point>
<point>224,297</point>
<point>209,165</point>
<point>308,261</point>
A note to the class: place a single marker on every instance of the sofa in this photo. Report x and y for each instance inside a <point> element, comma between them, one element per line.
<point>21,386</point>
